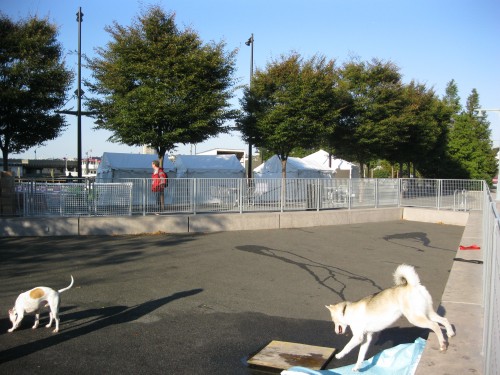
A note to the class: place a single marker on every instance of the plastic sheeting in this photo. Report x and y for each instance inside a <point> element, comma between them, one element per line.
<point>400,360</point>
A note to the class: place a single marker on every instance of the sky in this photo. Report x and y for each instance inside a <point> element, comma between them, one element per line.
<point>432,42</point>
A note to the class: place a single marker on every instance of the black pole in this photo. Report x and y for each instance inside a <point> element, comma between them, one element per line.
<point>250,43</point>
<point>79,18</point>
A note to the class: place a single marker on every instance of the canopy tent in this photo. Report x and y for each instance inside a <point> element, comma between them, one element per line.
<point>268,180</point>
<point>341,168</point>
<point>208,166</point>
<point>295,168</point>
<point>203,168</point>
<point>134,168</point>
<point>115,166</point>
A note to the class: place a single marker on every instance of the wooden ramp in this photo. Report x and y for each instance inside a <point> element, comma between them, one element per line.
<point>281,355</point>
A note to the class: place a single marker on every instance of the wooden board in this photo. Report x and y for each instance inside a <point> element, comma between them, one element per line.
<point>282,355</point>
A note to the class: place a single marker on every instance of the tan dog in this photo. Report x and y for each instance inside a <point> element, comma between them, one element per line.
<point>33,301</point>
<point>376,312</point>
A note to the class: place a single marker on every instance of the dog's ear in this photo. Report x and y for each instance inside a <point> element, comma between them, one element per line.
<point>329,307</point>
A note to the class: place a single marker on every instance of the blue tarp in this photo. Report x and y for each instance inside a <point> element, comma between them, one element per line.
<point>400,360</point>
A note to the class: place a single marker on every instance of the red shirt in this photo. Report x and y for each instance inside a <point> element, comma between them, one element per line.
<point>159,180</point>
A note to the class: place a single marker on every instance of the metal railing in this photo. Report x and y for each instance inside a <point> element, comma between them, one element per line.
<point>84,198</point>
<point>201,195</point>
<point>491,286</point>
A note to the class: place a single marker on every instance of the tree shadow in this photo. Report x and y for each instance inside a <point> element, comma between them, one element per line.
<point>401,239</point>
<point>99,319</point>
<point>312,267</point>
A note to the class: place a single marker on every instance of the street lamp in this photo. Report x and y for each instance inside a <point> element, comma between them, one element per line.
<point>79,19</point>
<point>481,112</point>
<point>249,42</point>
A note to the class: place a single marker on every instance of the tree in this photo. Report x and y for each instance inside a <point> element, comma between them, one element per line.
<point>157,85</point>
<point>33,83</point>
<point>421,124</point>
<point>470,144</point>
<point>367,128</point>
<point>289,105</point>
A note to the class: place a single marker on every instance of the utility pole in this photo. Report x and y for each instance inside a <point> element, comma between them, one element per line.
<point>79,95</point>
<point>249,42</point>
<point>79,19</point>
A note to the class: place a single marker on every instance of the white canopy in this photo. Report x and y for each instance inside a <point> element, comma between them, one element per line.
<point>341,168</point>
<point>120,165</point>
<point>295,168</point>
<point>208,166</point>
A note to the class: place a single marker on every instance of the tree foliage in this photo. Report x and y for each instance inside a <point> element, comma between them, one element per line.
<point>289,105</point>
<point>469,145</point>
<point>367,125</point>
<point>160,86</point>
<point>33,83</point>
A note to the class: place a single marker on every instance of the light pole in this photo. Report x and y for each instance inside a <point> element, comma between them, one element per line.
<point>249,42</point>
<point>79,19</point>
<point>481,112</point>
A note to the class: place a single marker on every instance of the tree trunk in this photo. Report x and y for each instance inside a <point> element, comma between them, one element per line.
<point>5,156</point>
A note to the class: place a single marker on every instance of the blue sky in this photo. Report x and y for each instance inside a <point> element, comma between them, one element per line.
<point>432,41</point>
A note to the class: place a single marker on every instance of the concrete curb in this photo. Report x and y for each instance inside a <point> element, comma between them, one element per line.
<point>462,306</point>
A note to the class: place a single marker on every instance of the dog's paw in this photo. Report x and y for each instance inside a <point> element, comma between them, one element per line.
<point>10,330</point>
<point>340,355</point>
<point>355,368</point>
<point>451,333</point>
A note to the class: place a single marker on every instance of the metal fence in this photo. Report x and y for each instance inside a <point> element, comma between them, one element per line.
<point>199,195</point>
<point>491,287</point>
<point>84,198</point>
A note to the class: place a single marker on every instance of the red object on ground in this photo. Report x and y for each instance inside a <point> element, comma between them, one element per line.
<point>471,247</point>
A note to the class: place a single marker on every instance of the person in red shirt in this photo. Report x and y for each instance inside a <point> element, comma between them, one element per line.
<point>158,184</point>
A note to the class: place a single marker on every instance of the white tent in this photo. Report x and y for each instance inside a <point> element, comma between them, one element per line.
<point>208,166</point>
<point>295,168</point>
<point>202,168</point>
<point>341,168</point>
<point>134,168</point>
<point>115,166</point>
<point>267,190</point>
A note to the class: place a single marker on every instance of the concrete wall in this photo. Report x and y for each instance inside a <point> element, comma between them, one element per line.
<point>436,216</point>
<point>202,223</point>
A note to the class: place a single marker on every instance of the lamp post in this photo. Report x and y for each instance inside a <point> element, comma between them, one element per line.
<point>481,112</point>
<point>249,42</point>
<point>79,19</point>
<point>79,94</point>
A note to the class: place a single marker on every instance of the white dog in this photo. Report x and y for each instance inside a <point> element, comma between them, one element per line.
<point>378,311</point>
<point>33,301</point>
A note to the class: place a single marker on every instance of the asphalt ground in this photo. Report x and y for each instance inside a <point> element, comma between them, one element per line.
<point>202,303</point>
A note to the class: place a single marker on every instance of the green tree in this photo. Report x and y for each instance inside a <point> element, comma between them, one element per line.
<point>289,105</point>
<point>470,145</point>
<point>33,83</point>
<point>160,86</point>
<point>367,125</point>
<point>420,127</point>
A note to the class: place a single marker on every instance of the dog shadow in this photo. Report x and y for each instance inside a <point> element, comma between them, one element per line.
<point>93,320</point>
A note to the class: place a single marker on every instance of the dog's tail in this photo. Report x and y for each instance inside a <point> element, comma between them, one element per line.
<point>68,287</point>
<point>406,275</point>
